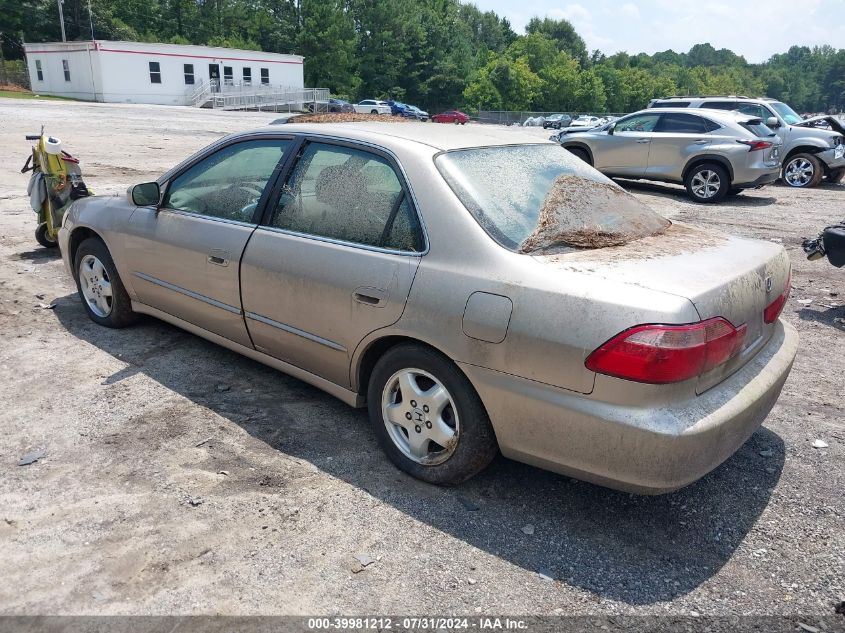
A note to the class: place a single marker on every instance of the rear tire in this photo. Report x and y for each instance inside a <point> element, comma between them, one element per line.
<point>102,292</point>
<point>707,183</point>
<point>802,171</point>
<point>415,394</point>
<point>42,236</point>
<point>373,111</point>
<point>577,152</point>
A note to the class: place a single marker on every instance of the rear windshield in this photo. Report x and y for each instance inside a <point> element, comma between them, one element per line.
<point>534,197</point>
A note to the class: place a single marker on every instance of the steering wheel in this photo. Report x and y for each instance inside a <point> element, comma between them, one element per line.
<point>248,209</point>
<point>189,202</point>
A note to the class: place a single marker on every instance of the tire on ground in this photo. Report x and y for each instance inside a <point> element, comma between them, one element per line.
<point>477,445</point>
<point>42,236</point>
<point>721,174</point>
<point>836,175</point>
<point>121,313</point>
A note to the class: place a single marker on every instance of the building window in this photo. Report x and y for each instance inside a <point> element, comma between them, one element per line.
<point>265,76</point>
<point>38,70</point>
<point>247,76</point>
<point>189,73</point>
<point>155,73</point>
<point>228,78</point>
<point>66,68</point>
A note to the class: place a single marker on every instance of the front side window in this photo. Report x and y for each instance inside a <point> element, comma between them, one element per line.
<point>247,75</point>
<point>189,73</point>
<point>637,123</point>
<point>350,195</point>
<point>38,70</point>
<point>66,69</point>
<point>228,77</point>
<point>786,113</point>
<point>681,124</point>
<point>155,73</point>
<point>229,183</point>
<point>265,76</point>
<point>549,199</point>
<point>754,109</point>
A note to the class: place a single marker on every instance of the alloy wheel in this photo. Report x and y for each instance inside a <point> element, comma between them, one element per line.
<point>95,285</point>
<point>798,172</point>
<point>706,184</point>
<point>420,416</point>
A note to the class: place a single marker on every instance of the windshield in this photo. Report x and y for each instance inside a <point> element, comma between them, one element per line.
<point>786,113</point>
<point>535,197</point>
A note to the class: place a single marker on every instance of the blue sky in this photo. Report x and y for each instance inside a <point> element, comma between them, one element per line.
<point>752,28</point>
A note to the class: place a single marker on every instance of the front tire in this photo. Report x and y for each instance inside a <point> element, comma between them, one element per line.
<point>42,236</point>
<point>102,292</point>
<point>428,417</point>
<point>836,175</point>
<point>707,183</point>
<point>802,171</point>
<point>579,153</point>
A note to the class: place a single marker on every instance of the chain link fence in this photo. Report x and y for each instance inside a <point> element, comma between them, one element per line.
<point>13,73</point>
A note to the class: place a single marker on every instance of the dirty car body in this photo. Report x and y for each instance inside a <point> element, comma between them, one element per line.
<point>396,269</point>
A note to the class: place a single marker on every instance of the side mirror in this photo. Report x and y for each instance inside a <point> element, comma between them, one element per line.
<point>146,194</point>
<point>611,128</point>
<point>772,122</point>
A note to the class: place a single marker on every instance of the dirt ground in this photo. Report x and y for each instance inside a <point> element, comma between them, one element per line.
<point>180,478</point>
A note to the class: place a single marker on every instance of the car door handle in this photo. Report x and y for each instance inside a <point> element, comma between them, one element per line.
<point>644,140</point>
<point>218,257</point>
<point>376,297</point>
<point>701,142</point>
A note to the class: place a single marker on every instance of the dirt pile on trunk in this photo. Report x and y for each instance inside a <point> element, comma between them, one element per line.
<point>572,211</point>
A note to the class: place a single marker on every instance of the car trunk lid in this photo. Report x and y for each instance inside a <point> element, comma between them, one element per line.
<point>723,276</point>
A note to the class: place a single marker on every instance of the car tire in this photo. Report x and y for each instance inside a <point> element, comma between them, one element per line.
<point>707,183</point>
<point>409,445</point>
<point>802,171</point>
<point>836,175</point>
<point>735,192</point>
<point>577,152</point>
<point>373,111</point>
<point>108,305</point>
<point>42,236</point>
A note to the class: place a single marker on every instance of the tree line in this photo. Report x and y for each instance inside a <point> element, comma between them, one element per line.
<point>439,53</point>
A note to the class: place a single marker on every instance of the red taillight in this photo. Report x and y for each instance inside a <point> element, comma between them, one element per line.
<point>753,146</point>
<point>660,354</point>
<point>773,310</point>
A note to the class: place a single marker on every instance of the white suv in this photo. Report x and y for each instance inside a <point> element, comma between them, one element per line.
<point>810,153</point>
<point>372,106</point>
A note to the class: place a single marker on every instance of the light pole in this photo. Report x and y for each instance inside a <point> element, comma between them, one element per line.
<point>62,19</point>
<point>91,20</point>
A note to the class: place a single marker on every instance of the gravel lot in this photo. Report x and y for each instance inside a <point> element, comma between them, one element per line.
<point>181,478</point>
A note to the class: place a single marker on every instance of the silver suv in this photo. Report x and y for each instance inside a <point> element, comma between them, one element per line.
<point>712,153</point>
<point>810,153</point>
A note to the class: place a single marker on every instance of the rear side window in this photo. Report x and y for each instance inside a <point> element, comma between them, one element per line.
<point>758,128</point>
<point>351,195</point>
<point>549,199</point>
<point>681,124</point>
<point>754,109</point>
<point>711,126</point>
<point>720,105</point>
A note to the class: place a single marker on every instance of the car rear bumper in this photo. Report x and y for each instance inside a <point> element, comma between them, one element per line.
<point>642,450</point>
<point>763,179</point>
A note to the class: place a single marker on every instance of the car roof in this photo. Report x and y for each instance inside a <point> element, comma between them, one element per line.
<point>720,98</point>
<point>714,113</point>
<point>441,137</point>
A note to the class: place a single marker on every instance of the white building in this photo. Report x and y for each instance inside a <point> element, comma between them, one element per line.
<point>168,74</point>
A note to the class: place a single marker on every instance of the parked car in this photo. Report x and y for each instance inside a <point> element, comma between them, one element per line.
<point>585,121</point>
<point>557,121</point>
<point>340,105</point>
<point>810,153</point>
<point>420,115</point>
<point>475,289</point>
<point>372,106</point>
<point>397,108</point>
<point>451,116</point>
<point>711,153</point>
